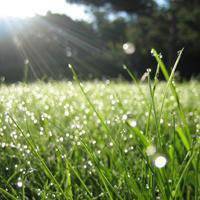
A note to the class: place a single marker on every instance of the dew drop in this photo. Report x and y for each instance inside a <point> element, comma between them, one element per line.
<point>133,123</point>
<point>110,144</point>
<point>160,161</point>
<point>151,150</point>
<point>19,184</point>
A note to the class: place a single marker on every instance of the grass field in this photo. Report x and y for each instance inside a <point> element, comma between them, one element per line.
<point>100,140</point>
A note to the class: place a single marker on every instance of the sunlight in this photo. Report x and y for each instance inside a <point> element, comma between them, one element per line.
<point>25,8</point>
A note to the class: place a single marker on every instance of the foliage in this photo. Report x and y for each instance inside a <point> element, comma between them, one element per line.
<point>136,6</point>
<point>168,28</point>
<point>51,42</point>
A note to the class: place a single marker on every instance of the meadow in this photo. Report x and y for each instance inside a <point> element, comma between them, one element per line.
<point>100,140</point>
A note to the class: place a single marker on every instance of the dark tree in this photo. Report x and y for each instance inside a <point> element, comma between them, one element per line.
<point>130,6</point>
<point>168,29</point>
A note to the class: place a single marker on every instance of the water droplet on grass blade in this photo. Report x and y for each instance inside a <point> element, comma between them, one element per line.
<point>151,150</point>
<point>70,66</point>
<point>132,123</point>
<point>153,53</point>
<point>124,117</point>
<point>3,145</point>
<point>19,184</point>
<point>26,61</point>
<point>160,161</point>
<point>124,67</point>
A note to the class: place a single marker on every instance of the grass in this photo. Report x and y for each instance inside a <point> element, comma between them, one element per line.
<point>101,140</point>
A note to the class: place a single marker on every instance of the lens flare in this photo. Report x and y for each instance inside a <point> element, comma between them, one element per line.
<point>129,48</point>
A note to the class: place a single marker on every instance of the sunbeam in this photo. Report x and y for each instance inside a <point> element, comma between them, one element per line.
<point>43,40</point>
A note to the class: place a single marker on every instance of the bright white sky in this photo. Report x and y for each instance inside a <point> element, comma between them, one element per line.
<point>28,8</point>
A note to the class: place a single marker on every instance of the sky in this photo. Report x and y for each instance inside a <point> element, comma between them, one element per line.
<point>29,8</point>
<point>161,2</point>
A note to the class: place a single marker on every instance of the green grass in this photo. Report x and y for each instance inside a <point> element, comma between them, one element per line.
<point>93,140</point>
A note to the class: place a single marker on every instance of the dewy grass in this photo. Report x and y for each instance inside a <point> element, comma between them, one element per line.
<point>33,148</point>
<point>109,140</point>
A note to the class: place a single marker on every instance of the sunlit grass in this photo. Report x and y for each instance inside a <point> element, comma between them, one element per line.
<point>100,140</point>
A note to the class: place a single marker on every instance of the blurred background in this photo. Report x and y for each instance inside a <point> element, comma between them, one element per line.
<point>38,38</point>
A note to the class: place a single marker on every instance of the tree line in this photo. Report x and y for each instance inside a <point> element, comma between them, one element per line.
<point>42,46</point>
